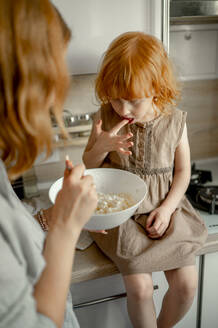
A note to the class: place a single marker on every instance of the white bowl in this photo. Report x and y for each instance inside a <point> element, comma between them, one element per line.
<point>110,181</point>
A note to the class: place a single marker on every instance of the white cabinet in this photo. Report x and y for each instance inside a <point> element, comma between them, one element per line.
<point>194,49</point>
<point>159,282</point>
<point>209,311</point>
<point>95,23</point>
<point>104,314</point>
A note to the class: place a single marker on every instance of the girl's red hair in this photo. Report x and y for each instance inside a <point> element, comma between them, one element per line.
<point>137,66</point>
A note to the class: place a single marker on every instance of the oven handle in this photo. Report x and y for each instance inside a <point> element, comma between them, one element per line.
<point>102,300</point>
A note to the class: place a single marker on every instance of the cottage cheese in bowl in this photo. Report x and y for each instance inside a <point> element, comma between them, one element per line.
<point>109,203</point>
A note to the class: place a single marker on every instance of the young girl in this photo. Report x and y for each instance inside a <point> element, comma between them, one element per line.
<point>139,129</point>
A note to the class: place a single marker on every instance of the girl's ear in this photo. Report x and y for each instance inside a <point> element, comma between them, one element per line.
<point>155,99</point>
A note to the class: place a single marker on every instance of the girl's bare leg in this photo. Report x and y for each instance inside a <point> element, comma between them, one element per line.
<point>140,305</point>
<point>179,297</point>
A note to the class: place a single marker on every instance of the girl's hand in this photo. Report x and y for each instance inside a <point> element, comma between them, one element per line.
<point>104,232</point>
<point>76,201</point>
<point>158,222</point>
<point>107,141</point>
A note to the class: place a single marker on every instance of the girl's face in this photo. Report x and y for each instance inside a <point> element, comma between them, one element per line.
<point>136,110</point>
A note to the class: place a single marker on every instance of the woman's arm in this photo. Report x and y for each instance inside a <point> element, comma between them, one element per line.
<point>73,207</point>
<point>52,288</point>
<point>182,171</point>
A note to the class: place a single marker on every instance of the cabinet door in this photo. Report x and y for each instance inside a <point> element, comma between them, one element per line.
<point>112,314</point>
<point>105,314</point>
<point>209,314</point>
<point>194,52</point>
<point>161,284</point>
<point>95,23</point>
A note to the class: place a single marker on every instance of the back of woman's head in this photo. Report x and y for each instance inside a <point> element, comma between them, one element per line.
<point>136,65</point>
<point>33,79</point>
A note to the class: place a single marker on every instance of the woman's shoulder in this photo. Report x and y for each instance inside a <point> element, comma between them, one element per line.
<point>15,220</point>
<point>7,195</point>
<point>4,182</point>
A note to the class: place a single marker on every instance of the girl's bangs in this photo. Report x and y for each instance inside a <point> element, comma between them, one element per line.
<point>132,86</point>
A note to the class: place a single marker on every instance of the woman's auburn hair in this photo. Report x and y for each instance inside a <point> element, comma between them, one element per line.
<point>136,65</point>
<point>33,80</point>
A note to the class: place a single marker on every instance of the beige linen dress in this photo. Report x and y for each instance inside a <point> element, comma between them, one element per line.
<point>128,245</point>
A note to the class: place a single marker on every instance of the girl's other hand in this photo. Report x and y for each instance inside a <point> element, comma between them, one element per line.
<point>158,222</point>
<point>76,201</point>
<point>104,232</point>
<point>107,141</point>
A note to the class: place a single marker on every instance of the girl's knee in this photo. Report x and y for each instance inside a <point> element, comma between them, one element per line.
<point>185,287</point>
<point>140,289</point>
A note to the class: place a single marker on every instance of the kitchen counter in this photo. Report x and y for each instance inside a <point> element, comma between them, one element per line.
<point>92,263</point>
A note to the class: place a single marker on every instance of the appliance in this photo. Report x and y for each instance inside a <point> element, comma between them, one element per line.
<point>26,185</point>
<point>77,126</point>
<point>190,8</point>
<point>203,194</point>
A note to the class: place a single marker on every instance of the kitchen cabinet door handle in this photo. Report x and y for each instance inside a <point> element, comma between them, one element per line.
<point>102,300</point>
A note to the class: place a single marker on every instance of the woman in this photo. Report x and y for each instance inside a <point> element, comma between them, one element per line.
<point>35,273</point>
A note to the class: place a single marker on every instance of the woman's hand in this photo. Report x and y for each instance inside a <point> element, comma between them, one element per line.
<point>158,222</point>
<point>107,141</point>
<point>76,201</point>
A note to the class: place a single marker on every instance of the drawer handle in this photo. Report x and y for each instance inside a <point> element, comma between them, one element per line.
<point>102,300</point>
<point>188,36</point>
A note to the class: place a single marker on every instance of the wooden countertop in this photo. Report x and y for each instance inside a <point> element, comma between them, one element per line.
<point>92,263</point>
